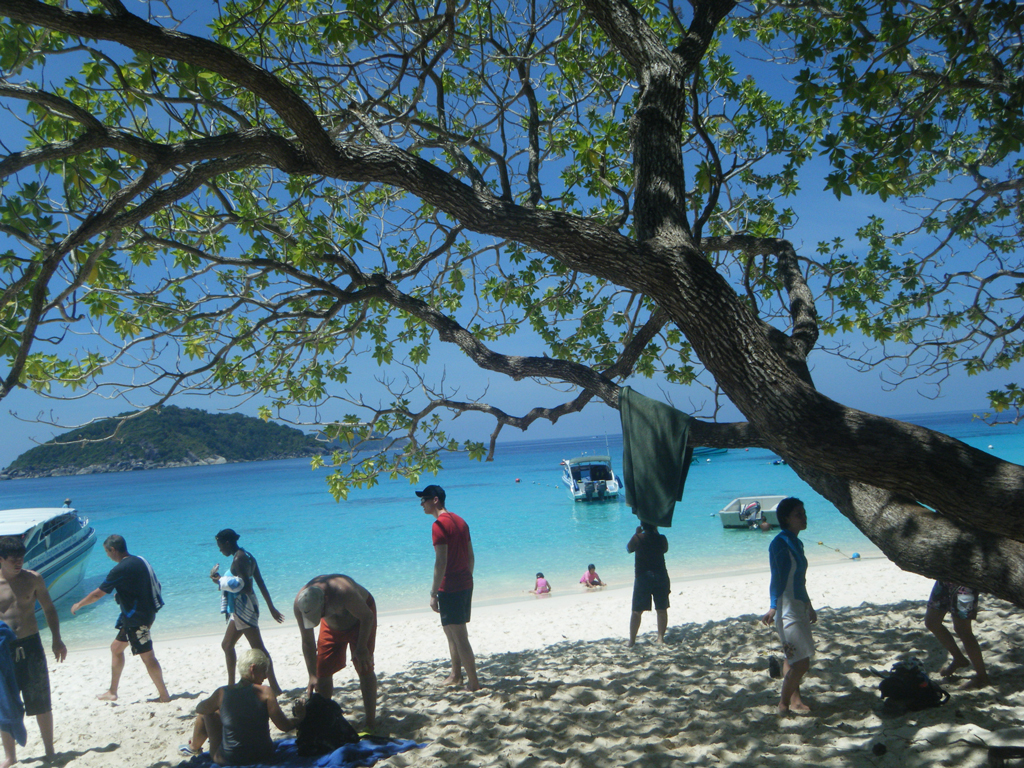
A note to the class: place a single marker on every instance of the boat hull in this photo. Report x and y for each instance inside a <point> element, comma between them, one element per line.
<point>730,514</point>
<point>65,571</point>
<point>595,494</point>
<point>702,454</point>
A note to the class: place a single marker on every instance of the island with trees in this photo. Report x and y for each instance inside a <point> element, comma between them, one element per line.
<point>170,437</point>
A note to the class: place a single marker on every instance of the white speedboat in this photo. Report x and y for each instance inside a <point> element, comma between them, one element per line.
<point>57,543</point>
<point>590,478</point>
<point>750,511</point>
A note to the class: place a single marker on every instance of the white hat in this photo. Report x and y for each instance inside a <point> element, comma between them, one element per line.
<point>311,605</point>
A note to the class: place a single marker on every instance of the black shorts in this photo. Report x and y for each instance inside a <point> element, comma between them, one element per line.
<point>31,673</point>
<point>137,637</point>
<point>455,607</point>
<point>961,602</point>
<point>647,585</point>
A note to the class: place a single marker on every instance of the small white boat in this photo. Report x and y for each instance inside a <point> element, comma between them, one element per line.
<point>590,478</point>
<point>750,511</point>
<point>57,543</point>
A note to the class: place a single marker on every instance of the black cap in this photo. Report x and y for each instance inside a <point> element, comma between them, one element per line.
<point>431,491</point>
<point>227,535</point>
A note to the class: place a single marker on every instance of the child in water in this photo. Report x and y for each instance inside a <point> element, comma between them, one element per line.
<point>542,587</point>
<point>590,577</point>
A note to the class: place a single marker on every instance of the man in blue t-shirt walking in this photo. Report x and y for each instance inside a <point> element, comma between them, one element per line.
<point>138,594</point>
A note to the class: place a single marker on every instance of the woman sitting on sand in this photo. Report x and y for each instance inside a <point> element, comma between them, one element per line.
<point>790,606</point>
<point>236,717</point>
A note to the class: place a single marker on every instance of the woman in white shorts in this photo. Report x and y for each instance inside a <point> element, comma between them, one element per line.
<point>791,608</point>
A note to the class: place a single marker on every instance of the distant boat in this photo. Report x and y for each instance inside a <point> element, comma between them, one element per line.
<point>750,511</point>
<point>590,478</point>
<point>704,451</point>
<point>57,544</point>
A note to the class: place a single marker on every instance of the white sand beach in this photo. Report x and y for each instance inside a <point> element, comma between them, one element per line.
<point>561,686</point>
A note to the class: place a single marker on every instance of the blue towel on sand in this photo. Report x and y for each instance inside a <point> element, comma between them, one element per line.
<point>365,752</point>
<point>12,713</point>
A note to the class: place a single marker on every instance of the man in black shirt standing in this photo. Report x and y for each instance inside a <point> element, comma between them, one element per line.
<point>650,578</point>
<point>138,594</point>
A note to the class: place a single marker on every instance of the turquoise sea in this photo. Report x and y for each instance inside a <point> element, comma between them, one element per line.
<point>521,517</point>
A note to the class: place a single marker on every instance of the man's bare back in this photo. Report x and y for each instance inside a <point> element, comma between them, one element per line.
<point>347,616</point>
<point>341,594</point>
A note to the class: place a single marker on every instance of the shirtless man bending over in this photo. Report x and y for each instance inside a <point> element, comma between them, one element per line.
<point>347,617</point>
<point>20,589</point>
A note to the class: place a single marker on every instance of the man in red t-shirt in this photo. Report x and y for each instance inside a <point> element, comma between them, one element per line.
<point>451,593</point>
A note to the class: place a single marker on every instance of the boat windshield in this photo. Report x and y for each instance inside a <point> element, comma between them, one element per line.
<point>594,472</point>
<point>51,533</point>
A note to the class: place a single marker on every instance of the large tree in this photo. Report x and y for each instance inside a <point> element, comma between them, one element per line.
<point>258,201</point>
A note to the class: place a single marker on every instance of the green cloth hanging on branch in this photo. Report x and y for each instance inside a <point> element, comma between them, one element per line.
<point>655,456</point>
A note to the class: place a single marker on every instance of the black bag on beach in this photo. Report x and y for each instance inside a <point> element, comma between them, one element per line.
<point>324,728</point>
<point>907,684</point>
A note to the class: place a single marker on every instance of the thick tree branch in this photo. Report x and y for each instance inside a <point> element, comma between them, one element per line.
<point>516,367</point>
<point>921,541</point>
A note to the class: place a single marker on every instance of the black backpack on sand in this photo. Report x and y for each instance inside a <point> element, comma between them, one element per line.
<point>907,685</point>
<point>324,728</point>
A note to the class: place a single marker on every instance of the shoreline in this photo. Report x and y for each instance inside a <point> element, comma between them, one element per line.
<point>135,465</point>
<point>723,594</point>
<point>561,686</point>
<point>164,633</point>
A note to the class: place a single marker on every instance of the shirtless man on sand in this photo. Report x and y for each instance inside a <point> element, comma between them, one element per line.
<point>20,589</point>
<point>347,617</point>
